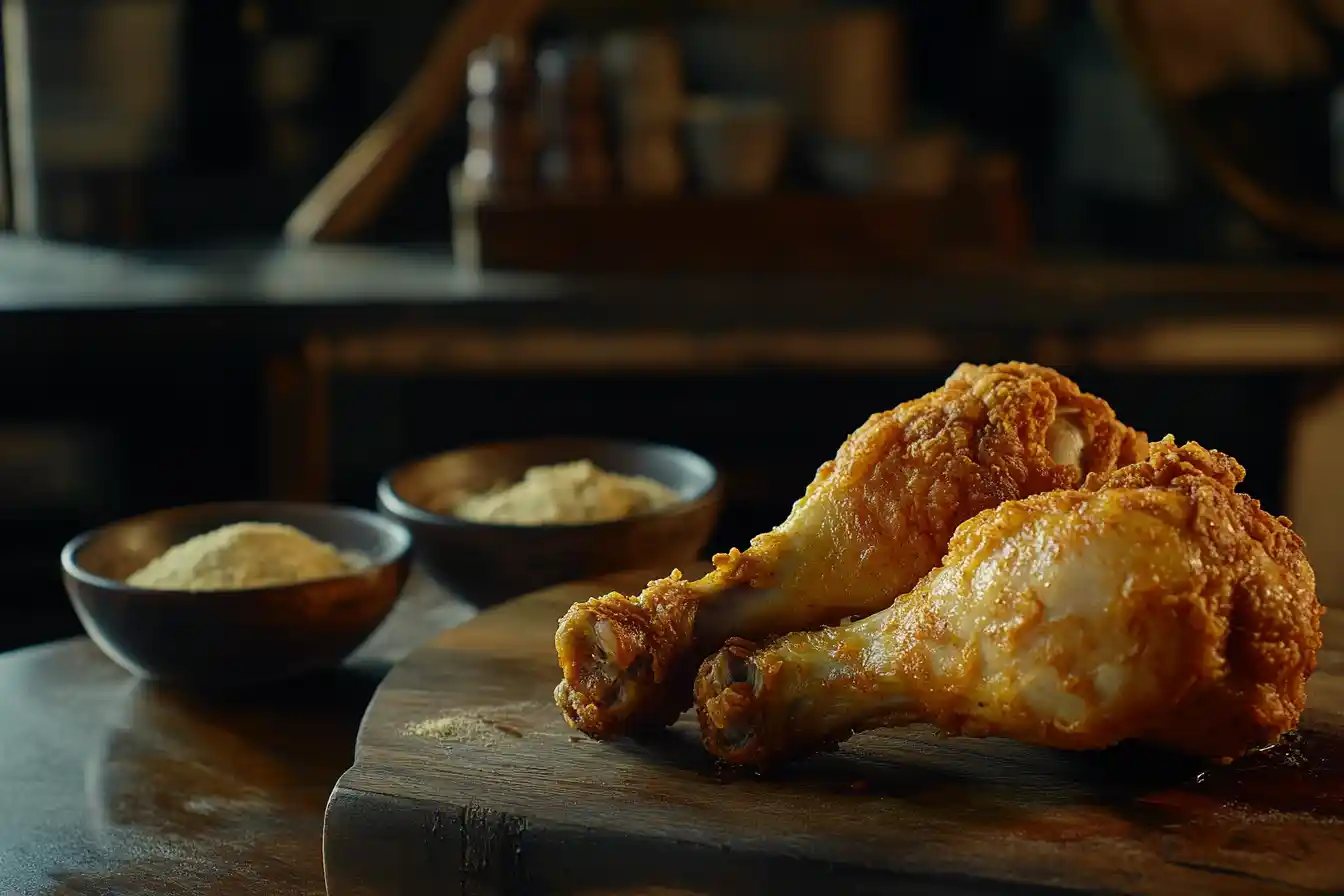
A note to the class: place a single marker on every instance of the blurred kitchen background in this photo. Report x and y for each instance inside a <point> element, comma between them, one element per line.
<point>740,226</point>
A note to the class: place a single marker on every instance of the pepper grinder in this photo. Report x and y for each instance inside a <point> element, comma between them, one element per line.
<point>501,124</point>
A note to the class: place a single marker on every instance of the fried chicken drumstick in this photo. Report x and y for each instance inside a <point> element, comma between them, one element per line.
<point>872,522</point>
<point>1155,604</point>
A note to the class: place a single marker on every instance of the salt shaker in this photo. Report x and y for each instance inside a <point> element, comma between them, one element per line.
<point>574,156</point>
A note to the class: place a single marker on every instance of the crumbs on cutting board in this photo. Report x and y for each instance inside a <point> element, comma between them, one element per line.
<point>486,725</point>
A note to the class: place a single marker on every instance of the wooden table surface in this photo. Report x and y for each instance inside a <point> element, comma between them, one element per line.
<point>109,785</point>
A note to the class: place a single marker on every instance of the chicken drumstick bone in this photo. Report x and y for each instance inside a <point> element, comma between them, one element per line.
<point>873,521</point>
<point>1156,604</point>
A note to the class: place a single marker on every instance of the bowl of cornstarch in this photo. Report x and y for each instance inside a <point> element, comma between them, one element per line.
<point>231,594</point>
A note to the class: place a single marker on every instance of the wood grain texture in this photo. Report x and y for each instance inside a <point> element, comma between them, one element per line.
<point>520,804</point>
<point>780,233</point>
<point>114,785</point>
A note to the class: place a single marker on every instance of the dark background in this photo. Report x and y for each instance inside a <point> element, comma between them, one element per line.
<point>101,432</point>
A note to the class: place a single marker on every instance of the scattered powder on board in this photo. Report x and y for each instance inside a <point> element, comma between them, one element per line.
<point>463,729</point>
<point>577,492</point>
<point>244,555</point>
<point>481,726</point>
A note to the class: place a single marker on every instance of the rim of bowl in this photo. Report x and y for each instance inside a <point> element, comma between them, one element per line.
<point>388,497</point>
<point>70,566</point>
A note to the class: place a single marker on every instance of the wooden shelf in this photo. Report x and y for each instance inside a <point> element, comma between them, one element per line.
<point>777,233</point>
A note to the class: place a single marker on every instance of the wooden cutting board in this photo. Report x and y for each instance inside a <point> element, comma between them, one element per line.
<point>513,801</point>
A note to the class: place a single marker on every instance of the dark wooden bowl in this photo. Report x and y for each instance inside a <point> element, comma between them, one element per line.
<point>487,563</point>
<point>233,638</point>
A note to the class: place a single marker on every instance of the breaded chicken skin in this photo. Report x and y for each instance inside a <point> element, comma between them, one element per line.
<point>874,520</point>
<point>1155,604</point>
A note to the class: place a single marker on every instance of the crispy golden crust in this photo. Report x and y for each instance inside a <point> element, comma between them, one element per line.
<point>871,523</point>
<point>1108,443</point>
<point>617,654</point>
<point>909,476</point>
<point>1167,463</point>
<point>1261,584</point>
<point>1157,604</point>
